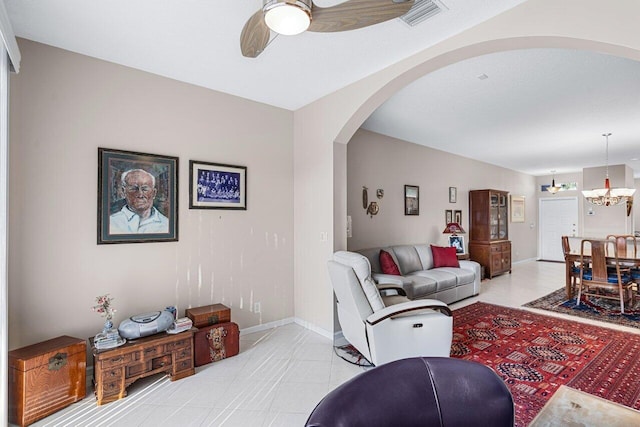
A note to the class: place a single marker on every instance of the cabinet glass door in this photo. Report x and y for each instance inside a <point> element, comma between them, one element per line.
<point>494,215</point>
<point>502,217</point>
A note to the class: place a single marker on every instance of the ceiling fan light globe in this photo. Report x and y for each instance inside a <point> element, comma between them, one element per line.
<point>287,19</point>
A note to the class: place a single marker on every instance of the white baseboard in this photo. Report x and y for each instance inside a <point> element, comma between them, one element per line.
<point>286,321</point>
<point>525,260</point>
<point>266,326</point>
<point>314,328</point>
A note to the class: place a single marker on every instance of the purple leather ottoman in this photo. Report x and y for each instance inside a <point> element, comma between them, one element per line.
<point>421,391</point>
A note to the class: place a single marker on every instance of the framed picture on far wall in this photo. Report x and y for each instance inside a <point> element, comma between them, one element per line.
<point>457,217</point>
<point>453,194</point>
<point>137,197</point>
<point>517,208</point>
<point>411,200</point>
<point>217,186</point>
<point>448,217</point>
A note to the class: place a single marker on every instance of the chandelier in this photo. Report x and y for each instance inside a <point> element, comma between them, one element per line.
<point>553,189</point>
<point>608,196</point>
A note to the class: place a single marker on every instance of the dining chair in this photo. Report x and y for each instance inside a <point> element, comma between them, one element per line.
<point>627,248</point>
<point>599,280</point>
<point>574,268</point>
<point>624,242</point>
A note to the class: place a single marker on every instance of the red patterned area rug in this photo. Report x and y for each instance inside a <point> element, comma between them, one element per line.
<point>536,354</point>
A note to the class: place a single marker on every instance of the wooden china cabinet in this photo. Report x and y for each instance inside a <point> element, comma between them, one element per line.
<point>489,242</point>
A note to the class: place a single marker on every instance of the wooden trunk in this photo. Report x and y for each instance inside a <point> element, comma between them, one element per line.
<point>217,342</point>
<point>208,315</point>
<point>46,377</point>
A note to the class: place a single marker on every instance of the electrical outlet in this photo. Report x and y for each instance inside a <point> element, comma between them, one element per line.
<point>256,307</point>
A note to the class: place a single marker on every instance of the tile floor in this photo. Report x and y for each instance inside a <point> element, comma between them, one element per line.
<point>279,375</point>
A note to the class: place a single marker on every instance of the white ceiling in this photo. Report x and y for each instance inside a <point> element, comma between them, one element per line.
<point>537,111</point>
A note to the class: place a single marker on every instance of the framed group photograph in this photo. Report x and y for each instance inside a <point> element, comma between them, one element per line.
<point>137,197</point>
<point>411,200</point>
<point>217,186</point>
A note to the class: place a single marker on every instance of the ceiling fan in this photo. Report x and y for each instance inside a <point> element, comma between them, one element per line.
<point>290,17</point>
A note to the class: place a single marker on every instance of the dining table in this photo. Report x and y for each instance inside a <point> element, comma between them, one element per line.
<point>573,260</point>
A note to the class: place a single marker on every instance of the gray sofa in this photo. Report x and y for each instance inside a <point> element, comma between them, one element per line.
<point>420,279</point>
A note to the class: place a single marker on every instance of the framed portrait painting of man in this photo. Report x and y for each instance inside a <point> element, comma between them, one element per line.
<point>137,197</point>
<point>217,186</point>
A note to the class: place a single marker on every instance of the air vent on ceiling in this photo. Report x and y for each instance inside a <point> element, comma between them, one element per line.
<point>421,11</point>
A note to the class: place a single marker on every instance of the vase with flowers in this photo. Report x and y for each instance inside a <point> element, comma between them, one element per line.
<point>109,337</point>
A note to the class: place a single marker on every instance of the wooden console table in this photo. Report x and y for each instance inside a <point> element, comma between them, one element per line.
<point>117,368</point>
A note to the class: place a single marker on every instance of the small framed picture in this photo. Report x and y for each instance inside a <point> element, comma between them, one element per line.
<point>137,197</point>
<point>457,217</point>
<point>453,194</point>
<point>517,208</point>
<point>448,216</point>
<point>217,186</point>
<point>458,243</point>
<point>411,200</point>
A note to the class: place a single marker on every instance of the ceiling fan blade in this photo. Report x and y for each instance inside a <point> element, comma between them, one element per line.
<point>255,36</point>
<point>354,14</point>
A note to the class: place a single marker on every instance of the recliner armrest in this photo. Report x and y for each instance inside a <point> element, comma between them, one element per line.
<point>391,279</point>
<point>391,287</point>
<point>406,307</point>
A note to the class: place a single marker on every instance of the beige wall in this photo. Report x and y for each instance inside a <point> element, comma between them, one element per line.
<point>64,106</point>
<point>378,161</point>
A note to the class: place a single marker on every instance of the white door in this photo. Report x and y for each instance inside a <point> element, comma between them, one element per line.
<point>558,217</point>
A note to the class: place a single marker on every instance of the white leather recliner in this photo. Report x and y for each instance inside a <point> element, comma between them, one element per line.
<point>386,332</point>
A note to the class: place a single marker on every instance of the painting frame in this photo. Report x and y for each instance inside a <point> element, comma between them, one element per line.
<point>411,200</point>
<point>206,191</point>
<point>517,208</point>
<point>457,217</point>
<point>457,241</point>
<point>113,197</point>
<point>453,194</point>
<point>448,217</point>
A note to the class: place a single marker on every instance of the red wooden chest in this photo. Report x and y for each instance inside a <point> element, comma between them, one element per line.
<point>46,377</point>
<point>216,342</point>
<point>208,315</point>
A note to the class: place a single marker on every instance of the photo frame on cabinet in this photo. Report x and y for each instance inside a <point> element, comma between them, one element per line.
<point>448,217</point>
<point>517,208</point>
<point>217,186</point>
<point>411,200</point>
<point>457,217</point>
<point>137,197</point>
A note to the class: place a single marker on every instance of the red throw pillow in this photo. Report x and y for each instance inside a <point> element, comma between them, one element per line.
<point>444,257</point>
<point>388,265</point>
